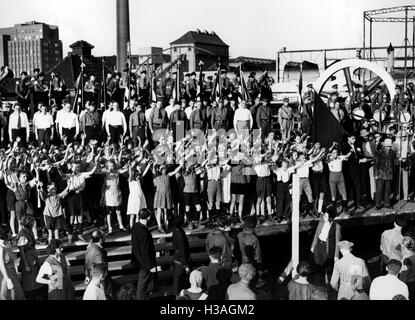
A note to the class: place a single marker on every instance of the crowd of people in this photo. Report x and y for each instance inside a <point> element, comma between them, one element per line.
<point>195,163</point>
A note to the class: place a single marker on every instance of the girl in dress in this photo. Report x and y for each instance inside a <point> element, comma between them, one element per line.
<point>136,198</point>
<point>163,199</point>
<point>112,197</point>
<point>29,260</point>
<point>10,288</point>
<point>55,273</point>
<point>9,175</point>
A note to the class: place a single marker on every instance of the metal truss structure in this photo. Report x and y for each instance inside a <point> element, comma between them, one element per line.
<point>391,15</point>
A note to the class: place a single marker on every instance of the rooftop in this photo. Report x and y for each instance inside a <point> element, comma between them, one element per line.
<point>81,44</point>
<point>199,37</point>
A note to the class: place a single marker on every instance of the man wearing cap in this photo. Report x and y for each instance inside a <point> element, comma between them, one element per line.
<point>368,146</point>
<point>208,87</point>
<point>219,116</point>
<point>197,119</point>
<point>43,126</point>
<point>90,122</point>
<point>388,286</point>
<point>114,88</point>
<point>220,238</point>
<point>225,84</point>
<point>143,255</point>
<point>91,90</point>
<point>143,85</point>
<point>252,86</point>
<point>19,126</point>
<point>178,121</point>
<point>158,118</point>
<point>285,119</point>
<point>397,101</point>
<point>383,173</point>
<point>137,126</point>
<point>169,85</point>
<point>191,86</point>
<point>41,90</point>
<point>345,268</point>
<point>263,119</point>
<point>58,88</point>
<point>378,101</point>
<point>22,90</point>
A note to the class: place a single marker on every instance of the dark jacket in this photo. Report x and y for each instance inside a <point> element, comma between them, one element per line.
<point>181,247</point>
<point>143,251</point>
<point>333,238</point>
<point>384,161</point>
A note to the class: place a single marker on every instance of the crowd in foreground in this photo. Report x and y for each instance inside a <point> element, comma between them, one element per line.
<point>198,163</point>
<point>235,270</point>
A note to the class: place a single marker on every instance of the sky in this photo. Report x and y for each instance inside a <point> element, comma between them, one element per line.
<point>253,28</point>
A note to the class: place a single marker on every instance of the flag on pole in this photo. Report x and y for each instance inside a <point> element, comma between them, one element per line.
<point>300,87</point>
<point>200,84</point>
<point>216,87</point>
<point>243,89</point>
<point>326,128</point>
<point>78,89</point>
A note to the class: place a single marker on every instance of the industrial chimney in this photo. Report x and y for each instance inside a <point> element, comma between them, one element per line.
<point>391,58</point>
<point>123,33</point>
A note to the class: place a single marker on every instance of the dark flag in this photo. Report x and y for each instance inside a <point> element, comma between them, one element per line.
<point>216,87</point>
<point>79,90</point>
<point>200,91</point>
<point>300,84</point>
<point>243,89</point>
<point>326,128</point>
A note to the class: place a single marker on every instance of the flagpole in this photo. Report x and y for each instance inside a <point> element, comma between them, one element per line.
<point>295,221</point>
<point>104,85</point>
<point>82,84</point>
<point>129,73</point>
<point>178,81</point>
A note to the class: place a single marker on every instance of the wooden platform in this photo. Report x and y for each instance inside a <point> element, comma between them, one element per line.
<point>118,246</point>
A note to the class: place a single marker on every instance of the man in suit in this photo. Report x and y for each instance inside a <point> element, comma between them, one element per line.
<point>307,110</point>
<point>325,242</point>
<point>96,254</point>
<point>352,169</point>
<point>143,255</point>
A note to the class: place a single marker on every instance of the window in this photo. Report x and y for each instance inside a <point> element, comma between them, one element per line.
<point>175,49</point>
<point>189,49</point>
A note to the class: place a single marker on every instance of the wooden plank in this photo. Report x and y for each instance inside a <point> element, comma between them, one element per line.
<point>126,264</point>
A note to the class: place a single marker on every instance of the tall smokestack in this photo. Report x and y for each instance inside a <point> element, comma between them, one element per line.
<point>123,33</point>
<point>391,58</point>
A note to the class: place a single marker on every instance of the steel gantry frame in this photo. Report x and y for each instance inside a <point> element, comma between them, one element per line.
<point>376,16</point>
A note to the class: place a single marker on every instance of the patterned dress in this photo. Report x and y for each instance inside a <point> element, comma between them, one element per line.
<point>163,198</point>
<point>112,194</point>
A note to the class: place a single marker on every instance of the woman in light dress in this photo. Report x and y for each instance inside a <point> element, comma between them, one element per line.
<point>111,196</point>
<point>136,198</point>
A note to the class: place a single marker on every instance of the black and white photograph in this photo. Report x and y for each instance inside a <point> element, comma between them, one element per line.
<point>222,151</point>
